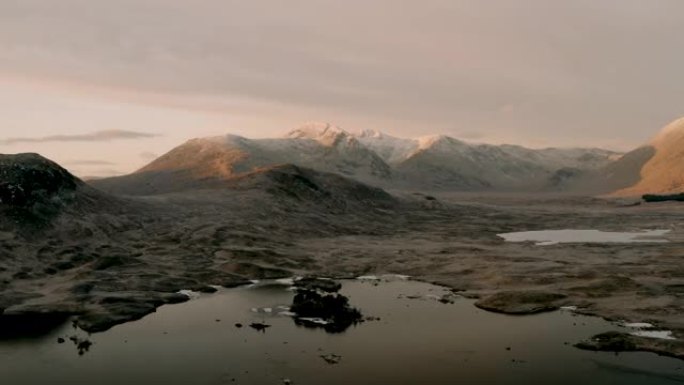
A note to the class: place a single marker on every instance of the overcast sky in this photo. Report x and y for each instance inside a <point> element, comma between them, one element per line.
<point>104,86</point>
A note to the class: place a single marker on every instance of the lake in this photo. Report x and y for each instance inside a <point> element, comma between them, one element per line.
<point>417,339</point>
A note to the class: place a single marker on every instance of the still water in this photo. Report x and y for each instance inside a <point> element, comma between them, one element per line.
<point>552,237</point>
<point>417,340</point>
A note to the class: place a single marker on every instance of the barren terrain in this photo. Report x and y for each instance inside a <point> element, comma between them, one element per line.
<point>121,262</point>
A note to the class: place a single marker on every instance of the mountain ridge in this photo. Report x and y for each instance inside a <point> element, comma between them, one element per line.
<point>370,156</point>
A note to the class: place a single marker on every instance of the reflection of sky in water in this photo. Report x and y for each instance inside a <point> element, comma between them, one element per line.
<point>417,340</point>
<point>552,237</point>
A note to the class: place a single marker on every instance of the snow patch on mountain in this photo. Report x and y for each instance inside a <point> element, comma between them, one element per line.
<point>324,133</point>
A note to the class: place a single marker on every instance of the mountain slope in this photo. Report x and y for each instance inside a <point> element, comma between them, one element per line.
<point>308,186</point>
<point>212,160</point>
<point>334,150</point>
<point>391,149</point>
<point>663,171</point>
<point>443,162</point>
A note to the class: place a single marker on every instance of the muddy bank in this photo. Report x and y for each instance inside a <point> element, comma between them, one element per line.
<point>624,342</point>
<point>522,302</point>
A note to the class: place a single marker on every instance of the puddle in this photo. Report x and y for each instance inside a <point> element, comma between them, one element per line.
<point>644,329</point>
<point>553,237</point>
<point>413,338</point>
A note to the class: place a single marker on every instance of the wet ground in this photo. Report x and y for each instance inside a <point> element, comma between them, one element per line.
<point>418,333</point>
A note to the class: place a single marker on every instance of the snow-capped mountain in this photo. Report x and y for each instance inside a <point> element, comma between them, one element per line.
<point>391,149</point>
<point>320,147</point>
<point>441,161</point>
<point>326,148</point>
<point>433,162</point>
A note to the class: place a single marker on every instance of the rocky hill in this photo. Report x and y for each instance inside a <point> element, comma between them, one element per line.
<point>35,190</point>
<point>307,186</point>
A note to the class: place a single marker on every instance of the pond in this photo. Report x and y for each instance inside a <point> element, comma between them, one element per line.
<point>553,237</point>
<point>419,334</point>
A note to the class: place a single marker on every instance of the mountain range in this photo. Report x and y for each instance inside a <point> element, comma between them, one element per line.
<point>428,163</point>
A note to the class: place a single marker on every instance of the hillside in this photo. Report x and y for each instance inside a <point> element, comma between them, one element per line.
<point>290,182</point>
<point>663,171</point>
<point>657,167</point>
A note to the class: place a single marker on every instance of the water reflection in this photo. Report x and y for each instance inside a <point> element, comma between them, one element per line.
<point>30,326</point>
<point>416,339</point>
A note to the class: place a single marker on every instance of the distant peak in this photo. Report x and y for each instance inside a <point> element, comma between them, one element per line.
<point>370,134</point>
<point>324,133</point>
<point>314,130</point>
<point>426,142</point>
<point>218,140</point>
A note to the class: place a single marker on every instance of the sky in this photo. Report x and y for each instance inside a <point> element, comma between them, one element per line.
<point>103,87</point>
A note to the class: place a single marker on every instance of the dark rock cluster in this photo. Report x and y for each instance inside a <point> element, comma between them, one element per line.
<point>318,304</point>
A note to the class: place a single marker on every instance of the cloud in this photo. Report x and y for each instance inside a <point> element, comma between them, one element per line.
<point>89,162</point>
<point>97,136</point>
<point>570,68</point>
<point>99,174</point>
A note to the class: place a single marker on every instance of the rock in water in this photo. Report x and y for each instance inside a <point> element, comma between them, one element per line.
<point>260,327</point>
<point>332,359</point>
<point>321,306</point>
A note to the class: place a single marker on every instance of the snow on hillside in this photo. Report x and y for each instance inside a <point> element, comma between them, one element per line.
<point>444,162</point>
<point>437,161</point>
<point>390,148</point>
<point>324,133</point>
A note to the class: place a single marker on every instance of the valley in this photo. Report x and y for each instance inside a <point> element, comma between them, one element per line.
<point>117,259</point>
